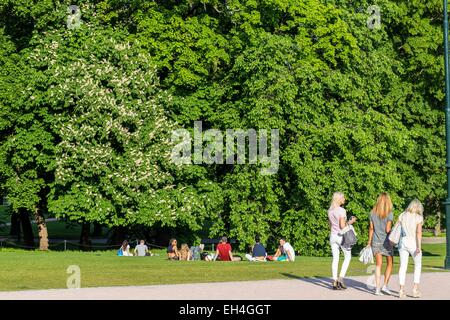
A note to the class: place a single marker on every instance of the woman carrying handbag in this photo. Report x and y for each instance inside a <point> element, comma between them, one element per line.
<point>337,219</point>
<point>410,244</point>
<point>380,226</point>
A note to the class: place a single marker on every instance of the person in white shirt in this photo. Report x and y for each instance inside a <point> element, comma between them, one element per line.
<point>141,250</point>
<point>410,244</point>
<point>337,219</point>
<point>288,250</point>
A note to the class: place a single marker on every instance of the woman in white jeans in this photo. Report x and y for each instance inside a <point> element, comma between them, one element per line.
<point>337,219</point>
<point>410,244</point>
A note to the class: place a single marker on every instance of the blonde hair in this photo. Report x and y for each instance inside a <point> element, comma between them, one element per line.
<point>184,251</point>
<point>336,200</point>
<point>415,206</point>
<point>383,206</point>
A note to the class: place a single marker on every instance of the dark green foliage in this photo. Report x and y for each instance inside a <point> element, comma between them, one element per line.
<point>359,111</point>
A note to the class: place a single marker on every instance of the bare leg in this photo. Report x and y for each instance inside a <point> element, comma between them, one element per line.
<point>379,262</point>
<point>388,272</point>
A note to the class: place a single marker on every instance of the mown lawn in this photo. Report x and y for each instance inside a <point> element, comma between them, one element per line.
<point>26,270</point>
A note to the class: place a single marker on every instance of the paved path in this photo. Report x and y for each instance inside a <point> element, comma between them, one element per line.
<point>434,286</point>
<point>434,240</point>
<point>34,222</point>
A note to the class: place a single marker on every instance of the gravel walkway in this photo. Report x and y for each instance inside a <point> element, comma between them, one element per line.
<point>434,286</point>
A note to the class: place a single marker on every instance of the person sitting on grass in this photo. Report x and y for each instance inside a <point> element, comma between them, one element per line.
<point>172,250</point>
<point>258,251</point>
<point>185,253</point>
<point>223,251</point>
<point>285,252</point>
<point>289,252</point>
<point>124,250</point>
<point>278,254</point>
<point>141,250</point>
<point>196,252</point>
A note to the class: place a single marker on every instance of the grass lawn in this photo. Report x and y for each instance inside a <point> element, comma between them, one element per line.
<point>26,270</point>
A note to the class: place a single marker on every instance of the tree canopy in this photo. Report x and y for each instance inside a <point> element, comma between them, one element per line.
<point>87,110</point>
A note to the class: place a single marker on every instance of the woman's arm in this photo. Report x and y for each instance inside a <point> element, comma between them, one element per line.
<point>231,255</point>
<point>277,253</point>
<point>342,222</point>
<point>388,226</point>
<point>419,238</point>
<point>369,243</point>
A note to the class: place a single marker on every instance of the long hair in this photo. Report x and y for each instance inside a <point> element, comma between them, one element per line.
<point>171,241</point>
<point>125,244</point>
<point>415,206</point>
<point>336,200</point>
<point>383,206</point>
<point>184,251</point>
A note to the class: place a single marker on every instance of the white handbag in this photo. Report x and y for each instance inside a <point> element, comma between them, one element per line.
<point>366,255</point>
<point>396,232</point>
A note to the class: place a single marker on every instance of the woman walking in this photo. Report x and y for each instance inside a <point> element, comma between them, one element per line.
<point>410,244</point>
<point>337,219</point>
<point>381,218</point>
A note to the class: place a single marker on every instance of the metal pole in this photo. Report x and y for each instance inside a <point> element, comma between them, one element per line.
<point>447,132</point>
<point>65,245</point>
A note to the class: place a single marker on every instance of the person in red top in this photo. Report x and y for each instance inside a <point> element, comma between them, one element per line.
<point>223,252</point>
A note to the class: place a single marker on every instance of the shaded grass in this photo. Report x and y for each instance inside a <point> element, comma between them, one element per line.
<point>26,270</point>
<point>56,229</point>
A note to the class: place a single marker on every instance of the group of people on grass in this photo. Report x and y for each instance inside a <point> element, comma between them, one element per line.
<point>141,250</point>
<point>381,224</point>
<point>285,252</point>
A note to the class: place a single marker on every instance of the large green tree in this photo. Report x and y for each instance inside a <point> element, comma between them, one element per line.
<point>354,90</point>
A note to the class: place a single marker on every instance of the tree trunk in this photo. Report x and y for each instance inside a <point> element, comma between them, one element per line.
<point>97,229</point>
<point>437,229</point>
<point>28,237</point>
<point>15,225</point>
<point>85,243</point>
<point>42,229</point>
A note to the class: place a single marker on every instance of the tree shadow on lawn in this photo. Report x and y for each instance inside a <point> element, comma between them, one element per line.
<point>328,283</point>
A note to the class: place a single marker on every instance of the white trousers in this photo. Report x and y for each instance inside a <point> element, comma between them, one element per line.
<point>335,242</point>
<point>404,257</point>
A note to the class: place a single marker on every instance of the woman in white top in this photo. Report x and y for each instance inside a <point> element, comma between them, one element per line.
<point>125,249</point>
<point>337,219</point>
<point>410,244</point>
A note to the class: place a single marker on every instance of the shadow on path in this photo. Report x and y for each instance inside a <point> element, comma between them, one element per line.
<point>328,283</point>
